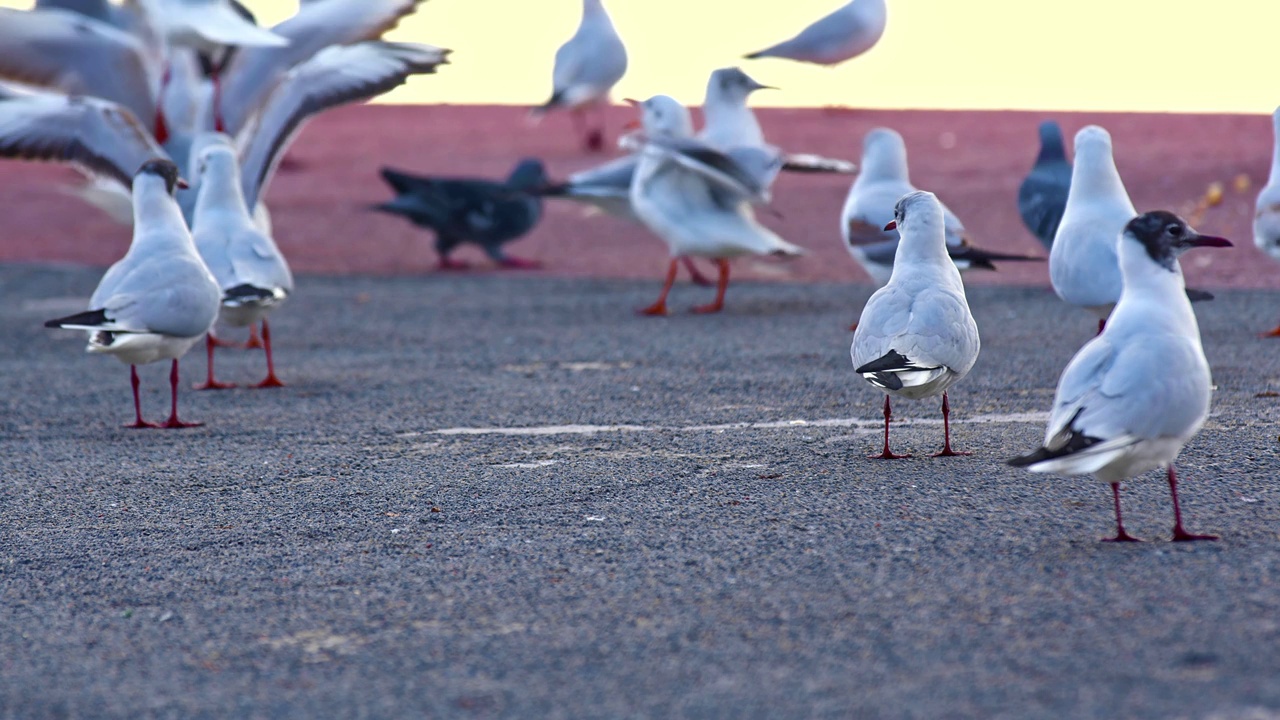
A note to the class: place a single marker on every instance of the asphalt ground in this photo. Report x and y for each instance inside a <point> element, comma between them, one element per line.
<point>494,496</point>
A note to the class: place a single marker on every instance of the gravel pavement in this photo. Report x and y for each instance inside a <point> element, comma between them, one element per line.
<point>495,496</point>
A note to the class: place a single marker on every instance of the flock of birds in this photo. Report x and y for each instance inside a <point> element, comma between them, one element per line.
<point>185,108</point>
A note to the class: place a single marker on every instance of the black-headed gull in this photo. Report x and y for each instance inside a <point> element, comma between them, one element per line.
<point>846,33</point>
<point>869,207</point>
<point>1135,394</point>
<point>250,270</point>
<point>483,212</point>
<point>1042,196</point>
<point>587,66</point>
<point>916,336</point>
<point>1266,217</point>
<point>698,200</point>
<point>160,298</point>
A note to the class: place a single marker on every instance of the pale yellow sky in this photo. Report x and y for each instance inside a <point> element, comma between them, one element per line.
<point>1137,55</point>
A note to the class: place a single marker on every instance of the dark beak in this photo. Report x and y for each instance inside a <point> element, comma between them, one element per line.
<point>893,225</point>
<point>1206,241</point>
<point>183,184</point>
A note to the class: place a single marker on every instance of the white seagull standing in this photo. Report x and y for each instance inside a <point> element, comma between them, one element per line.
<point>882,180</point>
<point>846,33</point>
<point>1083,263</point>
<point>1139,391</point>
<point>251,272</point>
<point>699,201</point>
<point>1266,218</point>
<point>916,336</point>
<point>587,67</point>
<point>160,298</point>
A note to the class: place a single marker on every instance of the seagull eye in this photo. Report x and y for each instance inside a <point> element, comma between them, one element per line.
<point>1174,230</point>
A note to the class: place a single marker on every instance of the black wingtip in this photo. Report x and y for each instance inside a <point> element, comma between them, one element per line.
<point>892,360</point>
<point>88,317</point>
<point>1031,459</point>
<point>1195,295</point>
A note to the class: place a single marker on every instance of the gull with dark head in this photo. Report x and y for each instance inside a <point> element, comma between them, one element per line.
<point>916,336</point>
<point>160,298</point>
<point>1133,396</point>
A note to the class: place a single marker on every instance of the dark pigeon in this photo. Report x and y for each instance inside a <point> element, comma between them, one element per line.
<point>472,210</point>
<point>1042,198</point>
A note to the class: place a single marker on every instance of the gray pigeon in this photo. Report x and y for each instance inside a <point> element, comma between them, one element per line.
<point>1042,197</point>
<point>471,210</point>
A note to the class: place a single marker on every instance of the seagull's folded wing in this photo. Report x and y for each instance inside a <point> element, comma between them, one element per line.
<point>335,76</point>
<point>720,169</point>
<point>99,137</point>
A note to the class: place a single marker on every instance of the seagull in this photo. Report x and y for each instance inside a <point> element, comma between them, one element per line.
<point>471,210</point>
<point>1266,218</point>
<point>730,125</point>
<point>206,25</point>
<point>107,139</point>
<point>1042,197</point>
<point>846,33</point>
<point>870,204</point>
<point>916,336</point>
<point>1083,262</point>
<point>698,200</point>
<point>587,67</point>
<point>160,298</point>
<point>1139,391</point>
<point>250,270</point>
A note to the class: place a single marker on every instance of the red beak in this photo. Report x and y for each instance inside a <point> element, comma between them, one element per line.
<point>893,225</point>
<point>1208,241</point>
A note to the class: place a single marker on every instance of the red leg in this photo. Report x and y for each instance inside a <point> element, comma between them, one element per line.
<point>721,286</point>
<point>161,129</point>
<point>216,80</point>
<point>254,342</point>
<point>210,342</point>
<point>1273,332</point>
<point>1102,325</point>
<point>594,137</point>
<point>137,402</point>
<point>887,454</point>
<point>660,307</point>
<point>271,379</point>
<point>1179,534</point>
<point>515,263</point>
<point>173,421</point>
<point>695,273</point>
<point>1121,535</point>
<point>446,263</point>
<point>219,342</point>
<point>946,432</point>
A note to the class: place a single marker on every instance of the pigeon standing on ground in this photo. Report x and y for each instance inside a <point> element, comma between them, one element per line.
<point>160,298</point>
<point>587,67</point>
<point>250,270</point>
<point>1042,197</point>
<point>1140,390</point>
<point>916,336</point>
<point>1266,218</point>
<point>699,201</point>
<point>471,210</point>
<point>883,179</point>
<point>846,33</point>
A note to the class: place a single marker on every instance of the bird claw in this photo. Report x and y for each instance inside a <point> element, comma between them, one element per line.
<point>1180,535</point>
<point>655,310</point>
<point>271,381</point>
<point>141,424</point>
<point>1122,536</point>
<point>706,309</point>
<point>886,455</point>
<point>213,385</point>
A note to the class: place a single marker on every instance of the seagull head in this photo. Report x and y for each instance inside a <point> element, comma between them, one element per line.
<point>664,116</point>
<point>164,169</point>
<point>884,155</point>
<point>212,148</point>
<point>1092,142</point>
<point>923,208</point>
<point>732,85</point>
<point>1164,236</point>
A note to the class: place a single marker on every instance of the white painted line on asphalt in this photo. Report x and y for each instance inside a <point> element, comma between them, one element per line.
<point>994,419</point>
